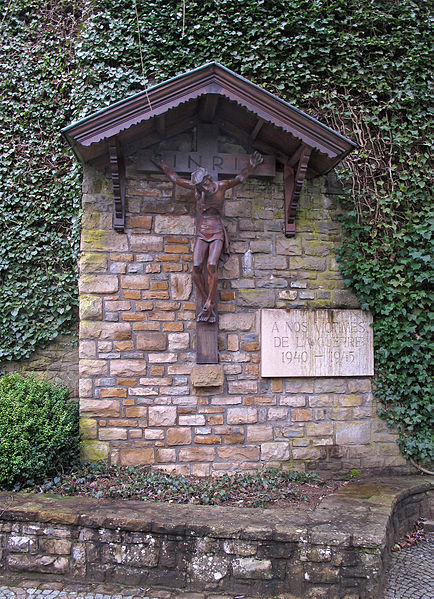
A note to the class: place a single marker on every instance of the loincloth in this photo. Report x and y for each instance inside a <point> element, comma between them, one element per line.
<point>211,229</point>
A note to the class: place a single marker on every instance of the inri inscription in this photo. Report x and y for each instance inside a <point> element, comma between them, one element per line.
<point>316,343</point>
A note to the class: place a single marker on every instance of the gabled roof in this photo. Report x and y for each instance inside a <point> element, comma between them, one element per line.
<point>210,93</point>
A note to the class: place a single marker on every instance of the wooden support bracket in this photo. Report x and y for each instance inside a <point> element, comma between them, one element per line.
<point>292,184</point>
<point>117,165</point>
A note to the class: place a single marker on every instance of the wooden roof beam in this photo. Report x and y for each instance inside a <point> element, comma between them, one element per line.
<point>292,185</point>
<point>208,107</point>
<point>254,134</point>
<point>117,165</point>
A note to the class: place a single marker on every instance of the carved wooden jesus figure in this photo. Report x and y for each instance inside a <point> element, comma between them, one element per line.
<point>212,244</point>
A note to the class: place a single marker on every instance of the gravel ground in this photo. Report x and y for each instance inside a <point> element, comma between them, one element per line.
<point>411,572</point>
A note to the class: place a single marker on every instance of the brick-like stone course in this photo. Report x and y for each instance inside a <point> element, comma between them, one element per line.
<point>137,336</point>
<point>340,549</point>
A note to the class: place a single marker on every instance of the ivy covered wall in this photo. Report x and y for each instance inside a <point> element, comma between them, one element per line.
<point>362,67</point>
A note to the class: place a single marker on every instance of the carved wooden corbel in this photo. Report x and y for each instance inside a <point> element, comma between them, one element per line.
<point>292,184</point>
<point>117,165</point>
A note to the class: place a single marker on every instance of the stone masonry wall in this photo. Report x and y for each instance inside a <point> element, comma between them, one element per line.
<point>137,336</point>
<point>58,362</point>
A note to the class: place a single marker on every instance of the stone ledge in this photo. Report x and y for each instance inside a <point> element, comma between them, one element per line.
<point>207,375</point>
<point>352,527</point>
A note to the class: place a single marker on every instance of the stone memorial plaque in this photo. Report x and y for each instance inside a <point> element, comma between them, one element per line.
<point>315,343</point>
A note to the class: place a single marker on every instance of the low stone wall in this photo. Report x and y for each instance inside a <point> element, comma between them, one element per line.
<point>338,550</point>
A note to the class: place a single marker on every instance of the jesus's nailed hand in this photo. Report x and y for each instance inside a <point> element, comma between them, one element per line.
<point>256,159</point>
<point>157,158</point>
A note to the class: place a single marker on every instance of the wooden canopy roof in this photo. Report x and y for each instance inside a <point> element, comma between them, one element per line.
<point>210,93</point>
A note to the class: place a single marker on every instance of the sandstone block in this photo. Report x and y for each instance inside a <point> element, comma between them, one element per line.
<point>301,415</point>
<point>288,294</point>
<point>192,419</point>
<point>324,385</point>
<point>242,548</point>
<point>259,298</point>
<point>146,243</point>
<point>90,307</point>
<point>94,451</point>
<point>112,433</point>
<point>243,387</point>
<point>350,400</point>
<point>319,429</point>
<point>179,341</point>
<point>136,412</point>
<point>166,455</point>
<point>38,563</point>
<point>115,306</point>
<point>128,367</point>
<point>139,222</point>
<point>105,330</point>
<point>243,321</point>
<point>238,208</point>
<point>151,341</point>
<point>18,544</point>
<point>93,368</point>
<point>208,568</point>
<point>271,452</point>
<point>181,286</point>
<point>295,401</point>
<point>178,436</point>
<point>276,386</point>
<point>97,240</point>
<point>162,415</point>
<point>277,413</point>
<point>165,358</point>
<point>251,568</point>
<point>359,385</point>
<point>56,546</point>
<point>233,342</point>
<point>239,453</point>
<point>196,454</point>
<point>308,263</point>
<point>100,407</point>
<point>87,349</point>
<point>353,433</point>
<point>231,269</point>
<point>88,428</point>
<point>93,262</point>
<point>242,415</point>
<point>288,246</point>
<point>174,225</point>
<point>135,282</point>
<point>99,283</point>
<point>300,386</point>
<point>259,432</point>
<point>85,388</point>
<point>267,262</point>
<point>154,434</point>
<point>207,375</point>
<point>137,457</point>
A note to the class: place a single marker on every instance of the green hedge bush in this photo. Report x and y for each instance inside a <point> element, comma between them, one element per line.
<point>38,430</point>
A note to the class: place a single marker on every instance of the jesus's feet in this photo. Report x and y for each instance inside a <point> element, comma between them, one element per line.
<point>207,313</point>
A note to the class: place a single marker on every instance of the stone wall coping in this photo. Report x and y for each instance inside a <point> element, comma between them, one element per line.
<point>356,515</point>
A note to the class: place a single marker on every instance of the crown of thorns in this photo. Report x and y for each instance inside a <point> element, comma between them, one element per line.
<point>198,175</point>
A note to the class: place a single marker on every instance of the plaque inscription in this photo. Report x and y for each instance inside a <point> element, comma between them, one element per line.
<point>315,343</point>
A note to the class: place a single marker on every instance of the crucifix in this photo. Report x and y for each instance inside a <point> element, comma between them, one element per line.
<point>211,246</point>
